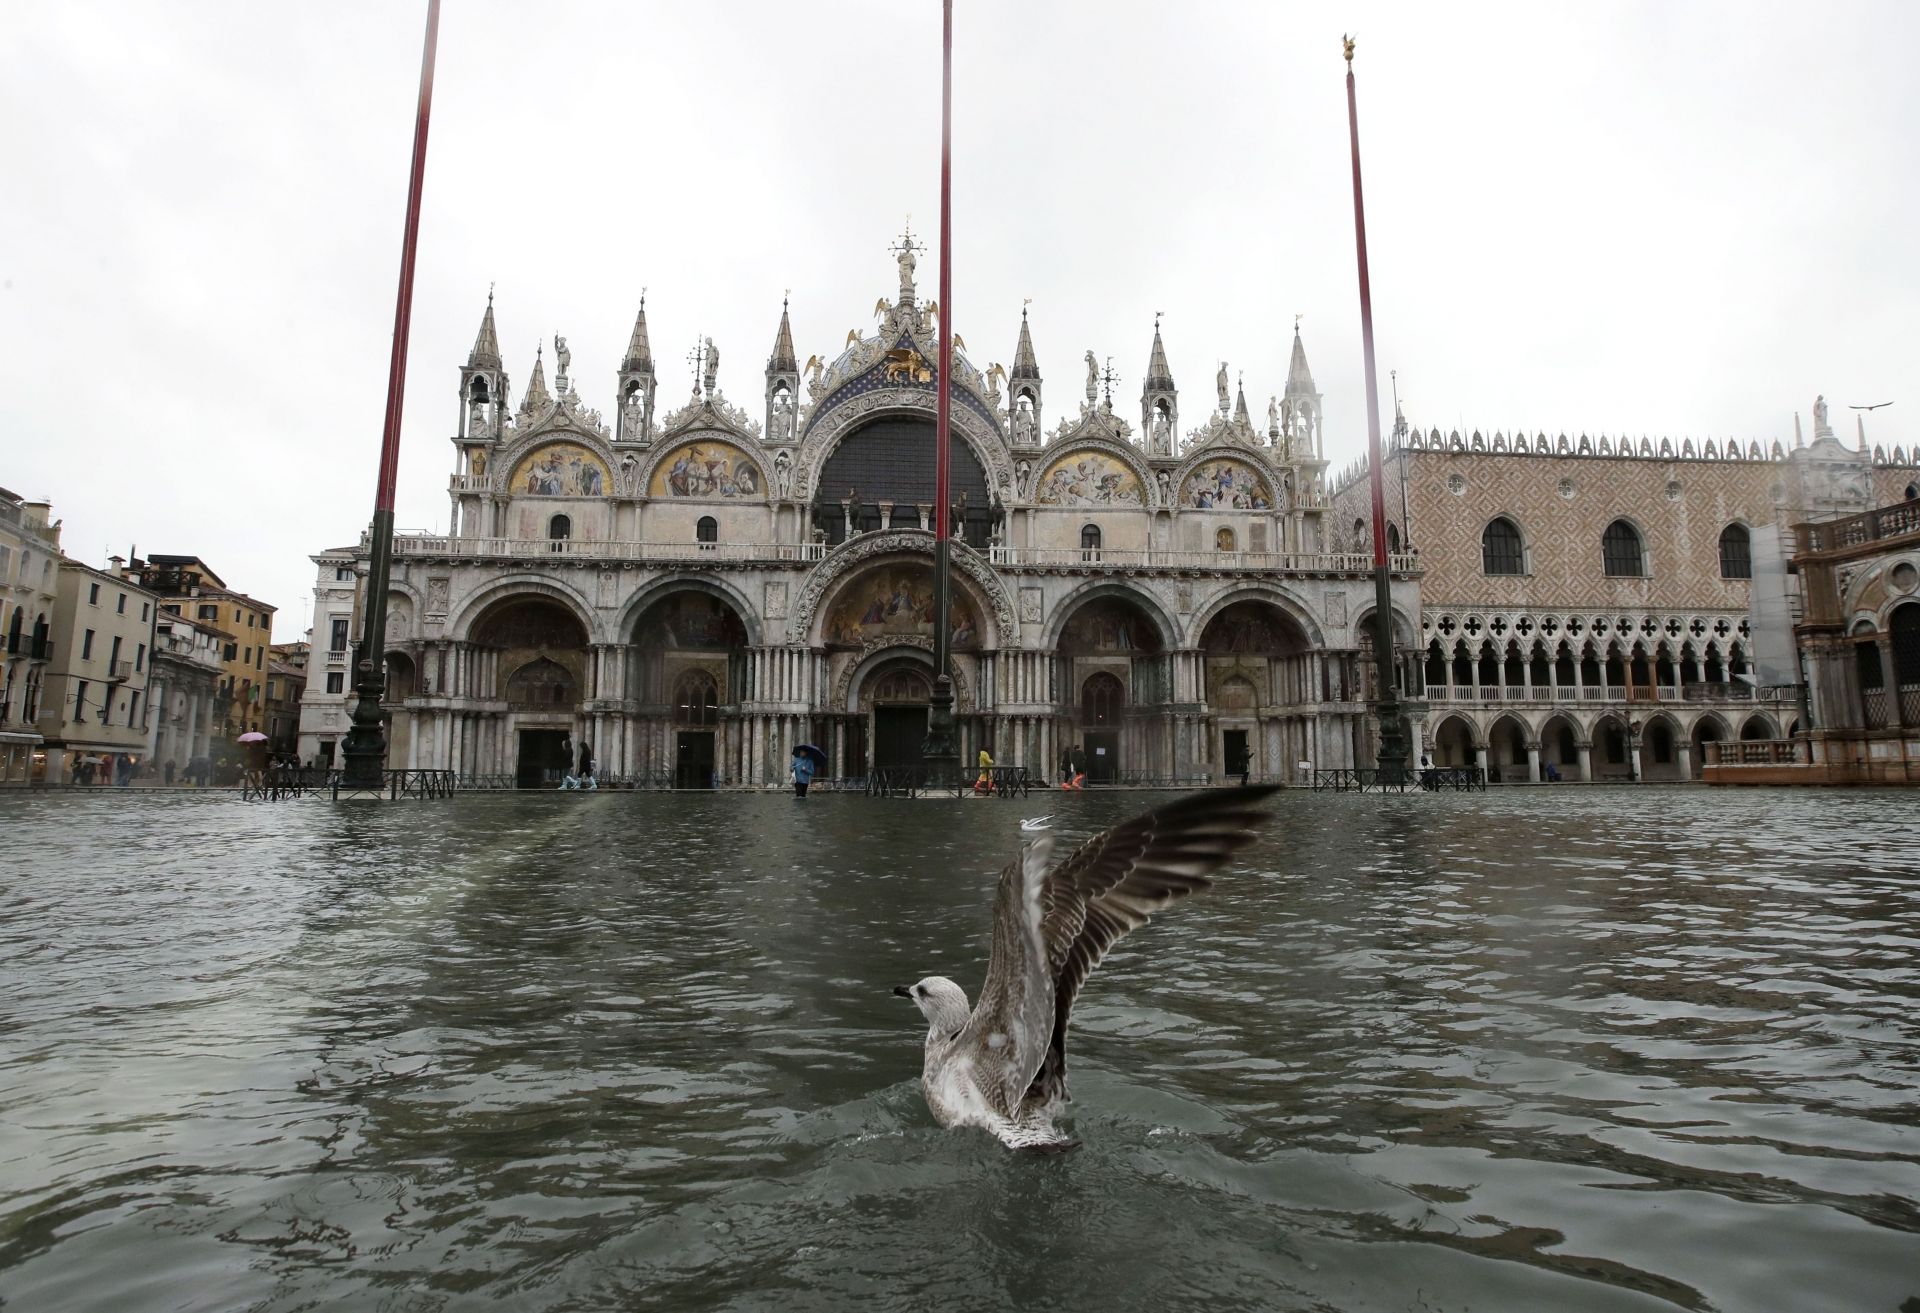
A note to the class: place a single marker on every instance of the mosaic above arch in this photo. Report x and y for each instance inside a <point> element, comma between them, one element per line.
<point>1226,484</point>
<point>560,469</point>
<point>1087,476</point>
<point>896,602</point>
<point>707,469</point>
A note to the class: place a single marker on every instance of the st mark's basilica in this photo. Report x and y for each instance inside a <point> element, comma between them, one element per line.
<point>686,593</point>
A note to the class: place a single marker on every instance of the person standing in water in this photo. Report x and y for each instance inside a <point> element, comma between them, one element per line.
<point>802,773</point>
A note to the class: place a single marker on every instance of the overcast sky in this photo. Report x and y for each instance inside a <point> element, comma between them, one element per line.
<point>1645,218</point>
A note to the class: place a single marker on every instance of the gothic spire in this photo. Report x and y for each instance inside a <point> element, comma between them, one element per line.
<point>1299,377</point>
<point>486,346</point>
<point>537,385</point>
<point>782,360</point>
<point>639,350</point>
<point>1159,374</point>
<point>1024,364</point>
<point>1240,416</point>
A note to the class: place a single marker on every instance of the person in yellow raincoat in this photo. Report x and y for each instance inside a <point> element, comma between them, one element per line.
<point>985,783</point>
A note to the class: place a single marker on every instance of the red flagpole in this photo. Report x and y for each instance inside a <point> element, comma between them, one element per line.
<point>1391,757</point>
<point>942,431</point>
<point>941,751</point>
<point>365,746</point>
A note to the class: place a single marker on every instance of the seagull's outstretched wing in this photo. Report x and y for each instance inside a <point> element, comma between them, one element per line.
<point>1116,881</point>
<point>1008,1033</point>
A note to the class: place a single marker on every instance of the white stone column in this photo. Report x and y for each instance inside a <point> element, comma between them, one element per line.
<point>1533,763</point>
<point>1480,760</point>
<point>1585,763</point>
<point>1683,754</point>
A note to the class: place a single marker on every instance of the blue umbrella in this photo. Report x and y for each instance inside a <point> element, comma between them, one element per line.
<point>819,755</point>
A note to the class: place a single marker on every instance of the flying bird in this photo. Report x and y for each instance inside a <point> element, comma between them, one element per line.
<point>1002,1065</point>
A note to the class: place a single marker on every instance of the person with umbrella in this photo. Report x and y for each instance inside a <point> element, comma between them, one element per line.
<point>254,770</point>
<point>806,760</point>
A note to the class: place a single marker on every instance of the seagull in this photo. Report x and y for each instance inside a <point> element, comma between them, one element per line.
<point>1003,1064</point>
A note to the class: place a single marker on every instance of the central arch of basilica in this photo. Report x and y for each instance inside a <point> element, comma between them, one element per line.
<point>683,597</point>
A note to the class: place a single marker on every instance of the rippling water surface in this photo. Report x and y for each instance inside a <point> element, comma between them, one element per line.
<point>1535,1050</point>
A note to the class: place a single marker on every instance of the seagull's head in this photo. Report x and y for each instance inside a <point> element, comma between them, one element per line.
<point>943,1003</point>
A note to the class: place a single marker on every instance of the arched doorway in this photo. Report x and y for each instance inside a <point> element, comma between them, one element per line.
<point>1559,750</point>
<point>885,611</point>
<point>1258,680</point>
<point>534,654</point>
<point>402,678</point>
<point>883,472</point>
<point>895,699</point>
<point>1453,743</point>
<point>688,667</point>
<point>1612,750</point>
<point>1113,635</point>
<point>1708,729</point>
<point>1507,752</point>
<point>1660,751</point>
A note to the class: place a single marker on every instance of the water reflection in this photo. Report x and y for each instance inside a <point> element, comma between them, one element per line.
<point>1580,1049</point>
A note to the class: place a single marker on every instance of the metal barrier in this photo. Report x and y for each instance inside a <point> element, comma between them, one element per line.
<point>1429,779</point>
<point>397,784</point>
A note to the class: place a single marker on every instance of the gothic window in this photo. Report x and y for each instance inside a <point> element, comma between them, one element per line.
<point>1223,540</point>
<point>1906,650</point>
<point>1359,536</point>
<point>1736,553</point>
<point>559,529</point>
<point>696,699</point>
<point>1621,552</point>
<point>1393,536</point>
<point>1101,698</point>
<point>707,531</point>
<point>1913,492</point>
<point>1500,548</point>
<point>1090,542</point>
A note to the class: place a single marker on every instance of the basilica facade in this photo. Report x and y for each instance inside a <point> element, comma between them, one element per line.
<point>685,593</point>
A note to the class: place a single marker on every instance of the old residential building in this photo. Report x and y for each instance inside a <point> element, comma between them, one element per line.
<point>188,586</point>
<point>29,569</point>
<point>188,671</point>
<point>93,714</point>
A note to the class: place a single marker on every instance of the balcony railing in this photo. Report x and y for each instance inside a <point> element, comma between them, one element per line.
<point>1124,558</point>
<point>538,548</point>
<point>1895,521</point>
<point>119,672</point>
<point>1165,558</point>
<point>1666,693</point>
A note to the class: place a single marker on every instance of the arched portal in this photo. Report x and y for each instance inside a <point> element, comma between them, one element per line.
<point>882,473</point>
<point>1708,729</point>
<point>1112,719</point>
<point>1453,743</point>
<point>1507,752</point>
<point>402,680</point>
<point>532,655</point>
<point>1259,681</point>
<point>1559,749</point>
<point>686,671</point>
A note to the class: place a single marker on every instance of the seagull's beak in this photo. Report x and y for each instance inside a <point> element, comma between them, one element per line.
<point>903,991</point>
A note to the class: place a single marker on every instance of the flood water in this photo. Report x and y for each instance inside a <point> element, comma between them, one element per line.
<point>1547,1049</point>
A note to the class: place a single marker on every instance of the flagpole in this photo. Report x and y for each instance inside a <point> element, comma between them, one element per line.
<point>1391,757</point>
<point>940,751</point>
<point>365,748</point>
